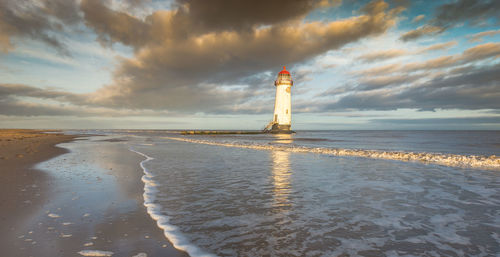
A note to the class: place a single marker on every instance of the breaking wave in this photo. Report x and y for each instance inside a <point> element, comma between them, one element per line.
<point>154,210</point>
<point>454,160</point>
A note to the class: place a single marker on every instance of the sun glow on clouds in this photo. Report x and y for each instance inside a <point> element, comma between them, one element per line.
<point>185,64</point>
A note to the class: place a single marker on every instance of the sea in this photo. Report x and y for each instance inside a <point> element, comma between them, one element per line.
<point>319,193</point>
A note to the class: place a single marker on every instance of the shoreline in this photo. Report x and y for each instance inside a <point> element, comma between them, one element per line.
<point>23,188</point>
<point>154,210</point>
<point>41,210</point>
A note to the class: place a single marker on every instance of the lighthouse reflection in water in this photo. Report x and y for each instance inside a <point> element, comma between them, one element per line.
<point>235,201</point>
<point>281,173</point>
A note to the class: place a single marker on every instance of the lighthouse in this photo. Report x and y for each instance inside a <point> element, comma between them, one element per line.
<point>282,118</point>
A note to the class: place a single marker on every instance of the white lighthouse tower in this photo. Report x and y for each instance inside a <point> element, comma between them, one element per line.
<point>282,118</point>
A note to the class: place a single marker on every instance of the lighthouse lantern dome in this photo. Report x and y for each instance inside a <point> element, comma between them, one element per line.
<point>284,71</point>
<point>284,77</point>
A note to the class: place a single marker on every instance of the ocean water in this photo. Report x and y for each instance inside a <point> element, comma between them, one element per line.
<point>323,193</point>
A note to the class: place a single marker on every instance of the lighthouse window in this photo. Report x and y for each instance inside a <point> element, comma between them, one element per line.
<point>286,111</point>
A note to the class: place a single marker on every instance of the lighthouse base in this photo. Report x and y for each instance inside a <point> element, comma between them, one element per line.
<point>281,129</point>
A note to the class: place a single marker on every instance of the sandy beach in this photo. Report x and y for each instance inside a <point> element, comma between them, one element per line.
<point>48,213</point>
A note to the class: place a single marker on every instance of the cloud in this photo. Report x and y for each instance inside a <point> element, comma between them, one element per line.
<point>13,107</point>
<point>17,99</point>
<point>481,52</point>
<point>481,120</point>
<point>476,53</point>
<point>473,54</point>
<point>439,46</point>
<point>385,81</point>
<point>478,37</point>
<point>20,90</point>
<point>133,4</point>
<point>475,12</point>
<point>436,63</point>
<point>425,30</point>
<point>384,69</point>
<point>466,81</point>
<point>382,55</point>
<point>203,57</point>
<point>477,88</point>
<point>11,102</point>
<point>220,15</point>
<point>393,53</point>
<point>112,26</point>
<point>182,65</point>
<point>418,18</point>
<point>18,107</point>
<point>38,20</point>
<point>190,18</point>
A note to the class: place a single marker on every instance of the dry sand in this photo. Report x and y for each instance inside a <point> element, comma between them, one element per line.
<point>26,229</point>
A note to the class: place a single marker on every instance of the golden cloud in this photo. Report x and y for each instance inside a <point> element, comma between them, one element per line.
<point>180,65</point>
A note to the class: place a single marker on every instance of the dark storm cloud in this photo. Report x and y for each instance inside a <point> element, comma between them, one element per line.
<point>182,65</point>
<point>190,18</point>
<point>475,12</point>
<point>244,15</point>
<point>38,20</point>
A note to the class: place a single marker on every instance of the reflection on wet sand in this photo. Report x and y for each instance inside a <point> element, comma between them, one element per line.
<point>97,204</point>
<point>281,173</point>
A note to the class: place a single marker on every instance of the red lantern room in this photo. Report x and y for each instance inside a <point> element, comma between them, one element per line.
<point>284,77</point>
<point>284,71</point>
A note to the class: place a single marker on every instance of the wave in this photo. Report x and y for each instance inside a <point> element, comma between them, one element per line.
<point>171,232</point>
<point>453,160</point>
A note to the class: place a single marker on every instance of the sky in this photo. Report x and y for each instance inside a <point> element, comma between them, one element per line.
<point>198,64</point>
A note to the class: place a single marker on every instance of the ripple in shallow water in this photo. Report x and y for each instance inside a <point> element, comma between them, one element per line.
<point>237,201</point>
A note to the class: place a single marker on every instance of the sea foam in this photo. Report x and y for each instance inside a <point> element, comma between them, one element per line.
<point>95,253</point>
<point>171,232</point>
<point>454,160</point>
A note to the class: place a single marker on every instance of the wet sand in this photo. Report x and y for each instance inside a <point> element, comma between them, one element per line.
<point>51,213</point>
